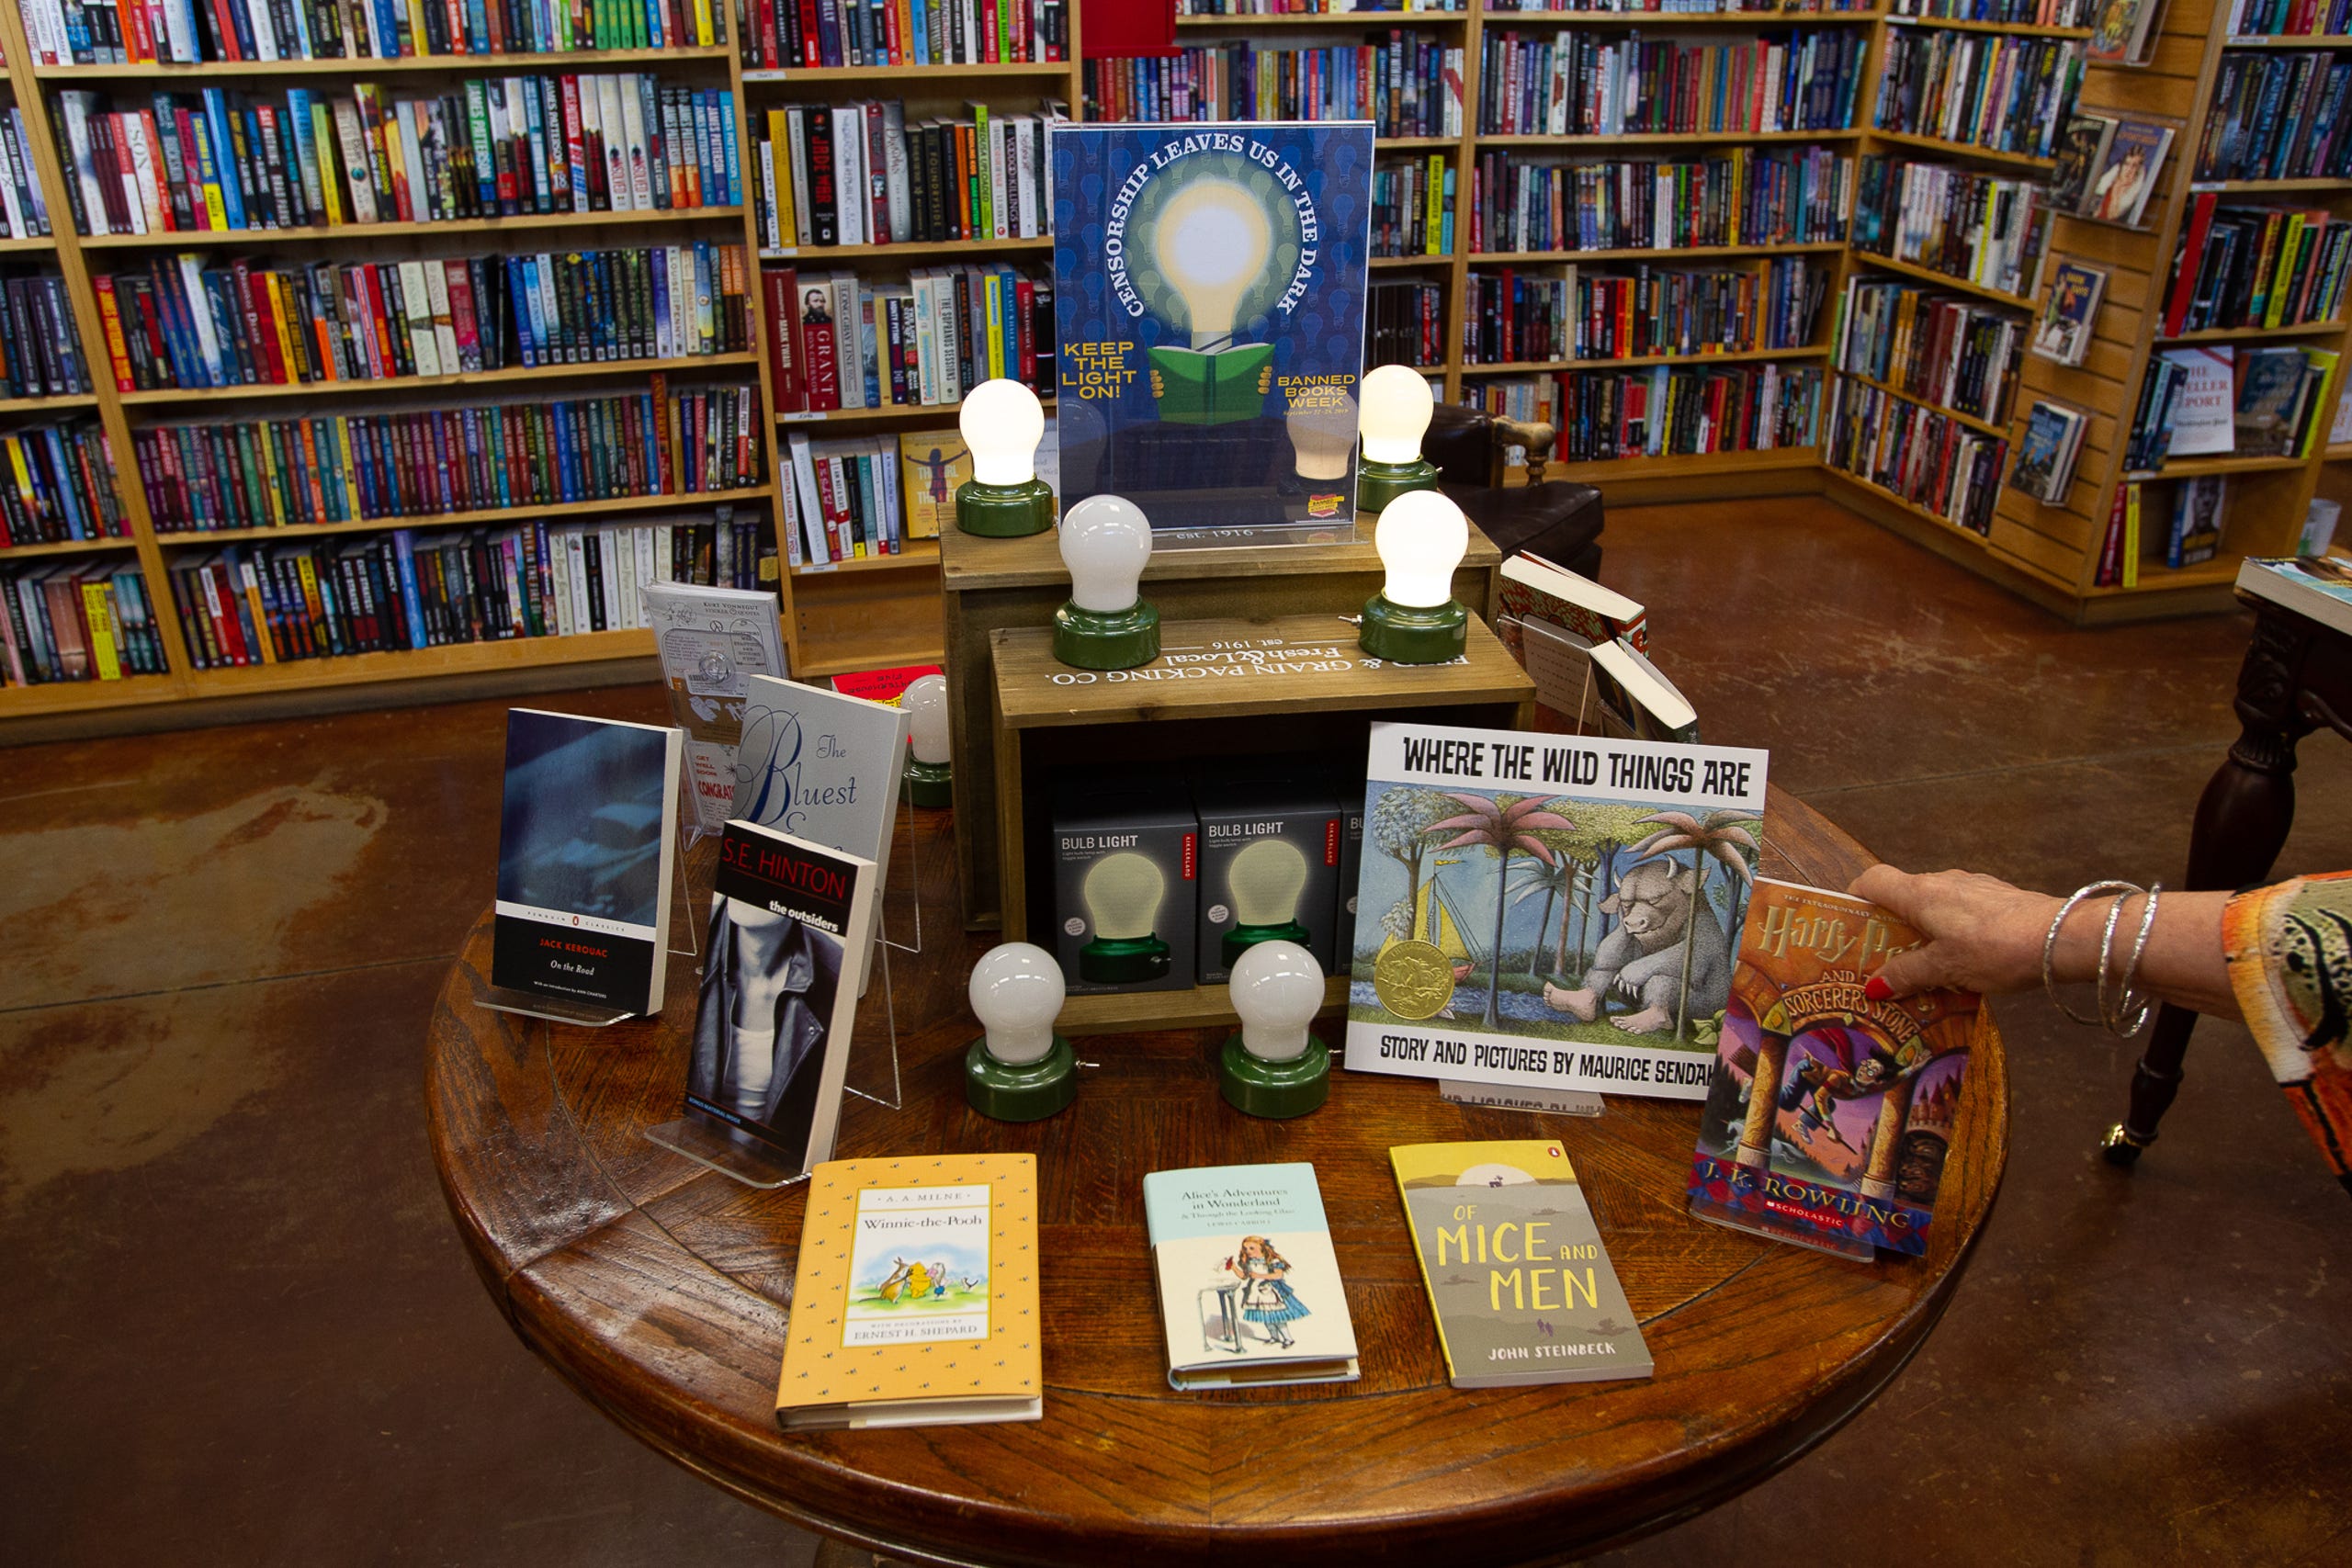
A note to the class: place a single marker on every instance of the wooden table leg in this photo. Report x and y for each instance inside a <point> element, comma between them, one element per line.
<point>2242,821</point>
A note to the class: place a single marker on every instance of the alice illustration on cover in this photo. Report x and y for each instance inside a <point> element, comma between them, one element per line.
<point>1267,1299</point>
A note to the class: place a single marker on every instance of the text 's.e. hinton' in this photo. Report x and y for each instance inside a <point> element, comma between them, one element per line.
<point>772,865</point>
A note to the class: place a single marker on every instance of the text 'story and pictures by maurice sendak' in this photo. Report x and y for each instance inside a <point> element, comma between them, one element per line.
<point>1550,911</point>
<point>1830,1119</point>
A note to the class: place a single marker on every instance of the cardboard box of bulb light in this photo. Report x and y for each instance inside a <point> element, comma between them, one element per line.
<point>1272,840</point>
<point>1127,861</point>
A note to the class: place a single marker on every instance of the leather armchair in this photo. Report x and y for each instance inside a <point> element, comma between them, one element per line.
<point>1557,519</point>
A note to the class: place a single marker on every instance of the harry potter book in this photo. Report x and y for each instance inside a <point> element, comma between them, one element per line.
<point>1520,1283</point>
<point>1831,1119</point>
<point>916,1302</point>
<point>1250,1288</point>
<point>587,833</point>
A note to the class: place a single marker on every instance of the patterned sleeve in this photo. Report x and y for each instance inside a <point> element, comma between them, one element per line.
<point>2290,949</point>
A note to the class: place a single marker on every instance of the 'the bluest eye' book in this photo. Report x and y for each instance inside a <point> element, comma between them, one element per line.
<point>1250,1288</point>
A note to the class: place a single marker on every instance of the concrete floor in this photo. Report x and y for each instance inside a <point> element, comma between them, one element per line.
<point>239,1326</point>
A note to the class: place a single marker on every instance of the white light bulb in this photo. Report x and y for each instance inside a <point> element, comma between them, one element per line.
<point>1267,878</point>
<point>1211,244</point>
<point>1277,989</point>
<point>1397,409</point>
<point>1123,894</point>
<point>1002,421</point>
<point>1106,541</point>
<point>1324,437</point>
<point>1017,993</point>
<point>926,704</point>
<point>1422,537</point>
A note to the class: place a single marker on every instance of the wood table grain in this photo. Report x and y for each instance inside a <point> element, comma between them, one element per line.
<point>661,1292</point>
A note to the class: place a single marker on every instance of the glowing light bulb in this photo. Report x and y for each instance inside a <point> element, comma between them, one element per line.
<point>1422,538</point>
<point>1395,412</point>
<point>1211,244</point>
<point>1277,989</point>
<point>1017,993</point>
<point>1001,421</point>
<point>1266,879</point>
<point>1106,541</point>
<point>927,730</point>
<point>1323,437</point>
<point>1123,894</point>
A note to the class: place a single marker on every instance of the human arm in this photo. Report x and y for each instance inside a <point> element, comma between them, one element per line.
<point>1985,935</point>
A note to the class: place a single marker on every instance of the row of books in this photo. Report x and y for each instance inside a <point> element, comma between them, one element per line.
<point>1682,8</point>
<point>1409,84</point>
<point>182,325</point>
<point>857,173</point>
<point>781,34</point>
<point>1920,453</point>
<point>841,342</point>
<point>2290,18</point>
<point>2277,116</point>
<point>40,347</point>
<point>1582,83</point>
<point>1941,348</point>
<point>2014,13</point>
<point>325,598</point>
<point>76,621</point>
<point>1322,7</point>
<point>2229,401</point>
<point>2257,266</point>
<point>844,499</point>
<point>1685,410</point>
<point>423,462</point>
<point>1992,90</point>
<point>184,32</point>
<point>1403,323</point>
<point>1801,196</point>
<point>56,483</point>
<point>1412,208</point>
<point>503,146</point>
<point>1980,227</point>
<point>1580,313</point>
<point>24,210</point>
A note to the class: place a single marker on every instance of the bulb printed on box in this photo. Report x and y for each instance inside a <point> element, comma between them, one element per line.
<point>1272,840</point>
<point>1126,866</point>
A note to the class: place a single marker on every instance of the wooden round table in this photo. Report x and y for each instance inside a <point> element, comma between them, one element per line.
<point>660,1290</point>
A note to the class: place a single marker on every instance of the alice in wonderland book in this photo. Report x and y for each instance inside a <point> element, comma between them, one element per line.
<point>1250,1288</point>
<point>587,832</point>
<point>916,1302</point>
<point>1520,1285</point>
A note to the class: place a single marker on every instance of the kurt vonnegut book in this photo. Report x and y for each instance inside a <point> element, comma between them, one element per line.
<point>1512,1261</point>
<point>1209,313</point>
<point>1830,1118</point>
<point>1250,1288</point>
<point>1550,910</point>
<point>587,830</point>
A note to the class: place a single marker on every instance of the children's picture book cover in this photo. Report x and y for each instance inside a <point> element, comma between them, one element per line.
<point>1511,1255</point>
<point>1250,1288</point>
<point>1830,1120</point>
<point>587,834</point>
<point>1209,287</point>
<point>1547,911</point>
<point>932,463</point>
<point>915,1301</point>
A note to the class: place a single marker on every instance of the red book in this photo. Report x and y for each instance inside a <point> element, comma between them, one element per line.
<point>462,313</point>
<point>811,52</point>
<point>2192,257</point>
<point>824,388</point>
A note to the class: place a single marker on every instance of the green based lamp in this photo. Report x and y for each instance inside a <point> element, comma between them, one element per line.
<point>1002,421</point>
<point>929,780</point>
<point>1393,415</point>
<point>1122,895</point>
<point>1018,1069</point>
<point>1265,880</point>
<point>1271,1066</point>
<point>1105,624</point>
<point>1414,619</point>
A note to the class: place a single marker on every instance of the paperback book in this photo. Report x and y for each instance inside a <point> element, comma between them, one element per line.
<point>779,998</point>
<point>587,834</point>
<point>2064,332</point>
<point>2196,531</point>
<point>2317,586</point>
<point>2203,422</point>
<point>2127,171</point>
<point>712,642</point>
<point>1548,911</point>
<point>1830,1118</point>
<point>1251,1292</point>
<point>1511,1255</point>
<point>2045,466</point>
<point>915,1302</point>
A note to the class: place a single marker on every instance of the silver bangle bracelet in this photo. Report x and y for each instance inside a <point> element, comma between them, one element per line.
<point>2131,1012</point>
<point>2049,944</point>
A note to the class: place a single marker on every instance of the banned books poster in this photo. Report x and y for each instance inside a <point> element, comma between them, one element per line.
<point>1550,910</point>
<point>1209,313</point>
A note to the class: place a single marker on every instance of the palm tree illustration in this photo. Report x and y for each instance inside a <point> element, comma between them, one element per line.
<point>1718,834</point>
<point>1555,879</point>
<point>1504,826</point>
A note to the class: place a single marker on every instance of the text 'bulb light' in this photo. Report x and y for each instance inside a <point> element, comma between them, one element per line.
<point>1019,1070</point>
<point>1394,413</point>
<point>1211,244</point>
<point>1105,624</point>
<point>1277,989</point>
<point>1422,538</point>
<point>1002,421</point>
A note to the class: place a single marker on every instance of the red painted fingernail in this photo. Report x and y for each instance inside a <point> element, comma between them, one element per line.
<point>1876,988</point>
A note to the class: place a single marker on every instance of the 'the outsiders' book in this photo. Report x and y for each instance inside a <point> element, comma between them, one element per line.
<point>587,829</point>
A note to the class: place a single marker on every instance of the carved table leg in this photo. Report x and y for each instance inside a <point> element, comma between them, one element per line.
<point>2242,820</point>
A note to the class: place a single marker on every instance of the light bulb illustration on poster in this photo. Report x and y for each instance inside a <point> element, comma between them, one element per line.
<point>1209,286</point>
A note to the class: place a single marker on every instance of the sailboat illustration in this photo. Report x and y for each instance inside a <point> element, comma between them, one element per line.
<point>1439,922</point>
